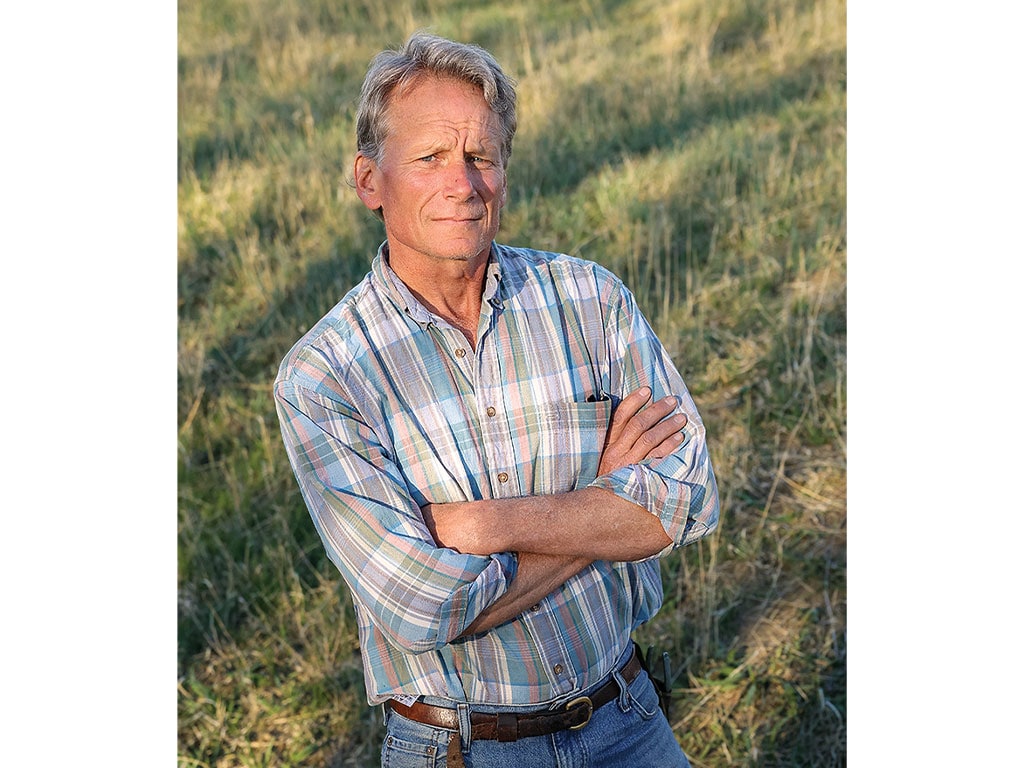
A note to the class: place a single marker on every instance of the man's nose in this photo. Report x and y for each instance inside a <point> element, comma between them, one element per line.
<point>460,179</point>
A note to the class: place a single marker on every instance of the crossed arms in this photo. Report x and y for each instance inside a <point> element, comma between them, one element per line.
<point>556,536</point>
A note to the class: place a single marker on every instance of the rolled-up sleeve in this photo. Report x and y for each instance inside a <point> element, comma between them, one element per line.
<point>419,595</point>
<point>680,488</point>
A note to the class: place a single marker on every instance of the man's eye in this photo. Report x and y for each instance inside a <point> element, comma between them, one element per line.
<point>480,162</point>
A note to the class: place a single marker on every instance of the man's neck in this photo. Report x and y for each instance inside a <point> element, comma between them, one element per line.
<point>450,288</point>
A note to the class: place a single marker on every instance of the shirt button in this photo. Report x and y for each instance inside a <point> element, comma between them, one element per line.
<point>558,669</point>
<point>460,353</point>
<point>503,477</point>
<point>490,410</point>
<point>535,608</point>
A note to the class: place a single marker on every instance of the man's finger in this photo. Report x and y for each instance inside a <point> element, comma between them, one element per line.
<point>635,429</point>
<point>660,440</point>
<point>637,433</point>
<point>627,408</point>
<point>667,447</point>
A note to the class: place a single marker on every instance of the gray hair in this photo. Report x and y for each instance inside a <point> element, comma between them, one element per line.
<point>431,55</point>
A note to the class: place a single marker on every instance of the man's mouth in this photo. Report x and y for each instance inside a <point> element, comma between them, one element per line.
<point>462,218</point>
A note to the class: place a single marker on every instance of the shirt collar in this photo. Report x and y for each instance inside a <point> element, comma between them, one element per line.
<point>402,297</point>
<point>492,283</point>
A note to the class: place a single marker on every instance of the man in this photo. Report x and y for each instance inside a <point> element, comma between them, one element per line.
<point>494,447</point>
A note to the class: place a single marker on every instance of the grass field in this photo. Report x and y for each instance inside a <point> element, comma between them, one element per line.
<point>696,148</point>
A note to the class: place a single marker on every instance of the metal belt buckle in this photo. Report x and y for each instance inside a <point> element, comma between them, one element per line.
<point>590,710</point>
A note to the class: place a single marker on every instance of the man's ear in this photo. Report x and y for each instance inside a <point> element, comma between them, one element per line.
<point>366,175</point>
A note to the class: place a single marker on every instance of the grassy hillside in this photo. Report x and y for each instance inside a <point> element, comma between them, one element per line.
<point>699,150</point>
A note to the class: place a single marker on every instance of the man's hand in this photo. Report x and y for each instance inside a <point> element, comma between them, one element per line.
<point>637,433</point>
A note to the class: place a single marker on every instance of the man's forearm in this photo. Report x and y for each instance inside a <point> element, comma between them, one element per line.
<point>590,523</point>
<point>536,577</point>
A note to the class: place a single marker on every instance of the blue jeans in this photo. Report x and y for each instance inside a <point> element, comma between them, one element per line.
<point>629,732</point>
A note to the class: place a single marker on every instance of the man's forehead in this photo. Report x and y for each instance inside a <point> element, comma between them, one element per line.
<point>425,92</point>
<point>431,114</point>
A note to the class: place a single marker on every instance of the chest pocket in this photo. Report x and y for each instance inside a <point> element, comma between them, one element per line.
<point>566,441</point>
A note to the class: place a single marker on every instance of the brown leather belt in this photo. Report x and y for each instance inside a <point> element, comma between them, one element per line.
<point>509,726</point>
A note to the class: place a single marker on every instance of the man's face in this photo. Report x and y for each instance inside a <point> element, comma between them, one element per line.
<point>440,180</point>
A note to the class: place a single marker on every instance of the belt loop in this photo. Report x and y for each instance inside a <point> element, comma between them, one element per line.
<point>465,726</point>
<point>624,704</point>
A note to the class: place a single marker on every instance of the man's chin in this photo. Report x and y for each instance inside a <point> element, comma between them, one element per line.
<point>464,251</point>
<point>461,255</point>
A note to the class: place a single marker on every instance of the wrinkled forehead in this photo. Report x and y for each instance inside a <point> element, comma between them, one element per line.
<point>427,103</point>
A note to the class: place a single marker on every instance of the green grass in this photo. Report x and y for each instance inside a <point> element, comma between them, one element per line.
<point>699,150</point>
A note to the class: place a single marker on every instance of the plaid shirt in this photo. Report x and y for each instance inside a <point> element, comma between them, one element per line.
<point>385,407</point>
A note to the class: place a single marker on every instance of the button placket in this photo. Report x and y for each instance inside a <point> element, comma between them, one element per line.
<point>555,657</point>
<point>451,341</point>
<point>498,447</point>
